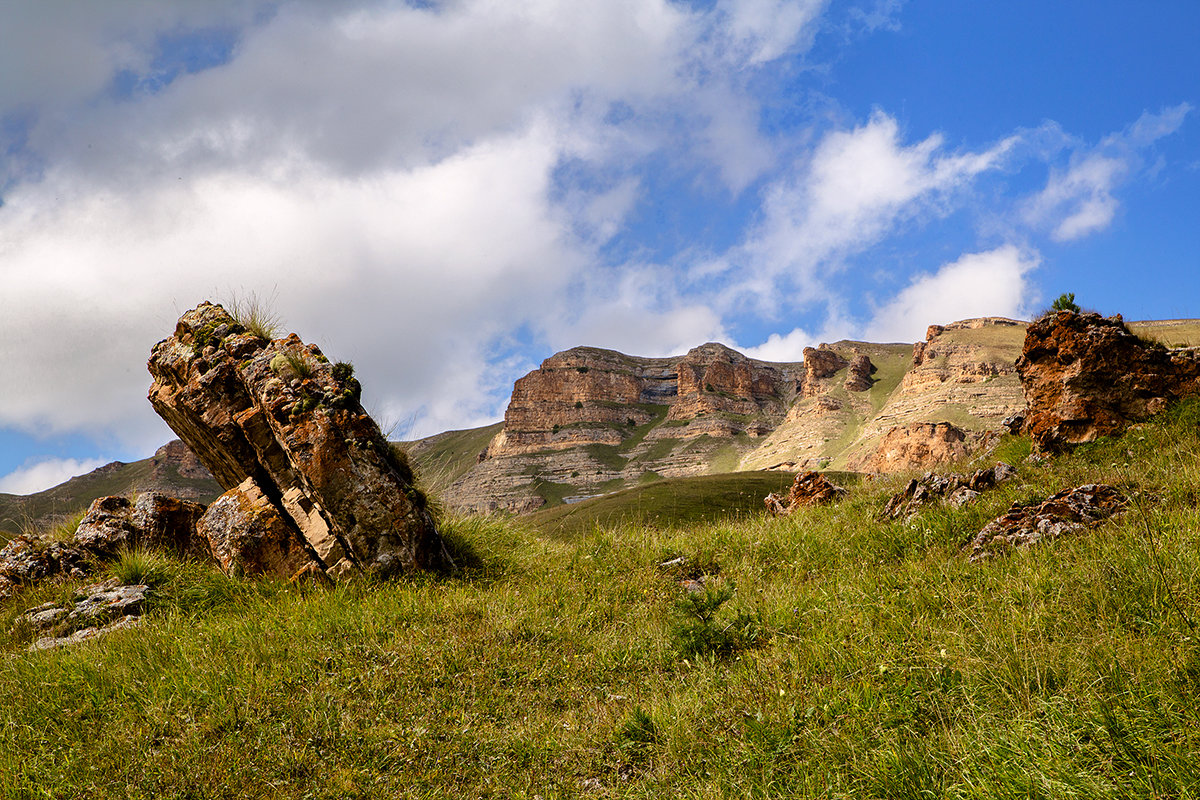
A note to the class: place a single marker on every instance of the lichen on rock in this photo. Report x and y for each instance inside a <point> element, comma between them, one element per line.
<point>279,413</point>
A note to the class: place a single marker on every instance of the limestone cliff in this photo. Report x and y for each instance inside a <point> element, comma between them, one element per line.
<point>587,396</point>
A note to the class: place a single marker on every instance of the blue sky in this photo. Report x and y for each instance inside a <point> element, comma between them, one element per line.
<point>445,193</point>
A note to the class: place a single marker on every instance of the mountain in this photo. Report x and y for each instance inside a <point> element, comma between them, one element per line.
<point>173,470</point>
<point>590,421</point>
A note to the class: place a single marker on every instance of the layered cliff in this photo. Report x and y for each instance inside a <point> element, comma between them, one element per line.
<point>589,421</point>
<point>587,396</point>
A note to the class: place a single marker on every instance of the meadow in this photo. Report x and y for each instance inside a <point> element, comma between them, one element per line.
<point>831,654</point>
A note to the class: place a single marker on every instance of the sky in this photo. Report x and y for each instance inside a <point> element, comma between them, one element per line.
<point>447,192</point>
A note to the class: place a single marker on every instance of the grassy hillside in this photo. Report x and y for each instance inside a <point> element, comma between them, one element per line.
<point>672,502</point>
<point>20,512</point>
<point>833,655</point>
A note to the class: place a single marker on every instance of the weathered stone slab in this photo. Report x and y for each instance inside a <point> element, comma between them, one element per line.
<point>278,412</point>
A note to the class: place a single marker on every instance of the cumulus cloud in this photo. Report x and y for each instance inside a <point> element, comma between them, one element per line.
<point>43,474</point>
<point>1081,199</point>
<point>856,187</point>
<point>988,284</point>
<point>391,174</point>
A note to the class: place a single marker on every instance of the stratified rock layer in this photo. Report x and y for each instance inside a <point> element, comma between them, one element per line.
<point>591,396</point>
<point>278,412</point>
<point>1086,376</point>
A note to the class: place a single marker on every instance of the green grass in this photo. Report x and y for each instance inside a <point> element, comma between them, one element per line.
<point>852,658</point>
<point>665,502</point>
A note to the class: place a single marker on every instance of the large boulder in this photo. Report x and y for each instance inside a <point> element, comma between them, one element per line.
<point>1087,376</point>
<point>154,520</point>
<point>250,536</point>
<point>280,413</point>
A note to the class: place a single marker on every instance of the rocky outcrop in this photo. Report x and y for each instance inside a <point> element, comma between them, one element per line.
<point>93,611</point>
<point>918,445</point>
<point>809,489</point>
<point>954,490</point>
<point>858,377</point>
<point>154,520</point>
<point>1086,376</point>
<point>110,526</point>
<point>588,396</point>
<point>820,362</point>
<point>280,413</point>
<point>1067,512</point>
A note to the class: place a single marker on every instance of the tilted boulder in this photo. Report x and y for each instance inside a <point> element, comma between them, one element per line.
<point>280,413</point>
<point>809,488</point>
<point>1087,376</point>
<point>1070,511</point>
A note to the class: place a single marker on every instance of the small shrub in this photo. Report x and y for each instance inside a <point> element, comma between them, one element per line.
<point>581,370</point>
<point>299,364</point>
<point>255,315</point>
<point>1065,302</point>
<point>139,565</point>
<point>637,737</point>
<point>703,630</point>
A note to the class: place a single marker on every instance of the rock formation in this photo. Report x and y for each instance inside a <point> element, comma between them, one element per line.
<point>954,490</point>
<point>94,611</point>
<point>278,413</point>
<point>591,396</point>
<point>1067,512</point>
<point>918,445</point>
<point>809,489</point>
<point>111,524</point>
<point>1087,376</point>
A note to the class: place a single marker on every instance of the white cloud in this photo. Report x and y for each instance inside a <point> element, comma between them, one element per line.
<point>763,30</point>
<point>988,284</point>
<point>388,173</point>
<point>789,347</point>
<point>856,187</point>
<point>45,474</point>
<point>1081,199</point>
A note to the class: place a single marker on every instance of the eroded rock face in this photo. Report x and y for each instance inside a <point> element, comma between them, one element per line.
<point>587,395</point>
<point>1067,512</point>
<point>919,445</point>
<point>279,413</point>
<point>1087,376</point>
<point>954,490</point>
<point>249,536</point>
<point>809,488</point>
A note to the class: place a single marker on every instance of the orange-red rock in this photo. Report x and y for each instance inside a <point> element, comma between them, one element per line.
<point>1086,376</point>
<point>809,488</point>
<point>278,412</point>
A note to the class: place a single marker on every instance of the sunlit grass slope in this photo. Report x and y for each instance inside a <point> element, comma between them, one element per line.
<point>831,655</point>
